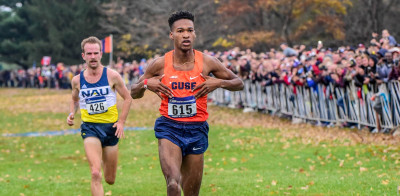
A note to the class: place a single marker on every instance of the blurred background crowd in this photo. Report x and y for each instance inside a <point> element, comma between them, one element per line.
<point>374,62</point>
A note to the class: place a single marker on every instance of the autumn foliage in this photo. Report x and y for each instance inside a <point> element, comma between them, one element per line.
<point>298,20</point>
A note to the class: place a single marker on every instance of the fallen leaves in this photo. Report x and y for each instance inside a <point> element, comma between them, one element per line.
<point>385,182</point>
<point>382,175</point>
<point>363,169</point>
<point>304,188</point>
<point>286,146</point>
<point>214,188</point>
<point>341,163</point>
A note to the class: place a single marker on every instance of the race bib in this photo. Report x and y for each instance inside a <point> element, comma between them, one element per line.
<point>96,105</point>
<point>182,107</point>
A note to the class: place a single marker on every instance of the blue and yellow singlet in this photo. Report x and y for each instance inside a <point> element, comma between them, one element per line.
<point>97,101</point>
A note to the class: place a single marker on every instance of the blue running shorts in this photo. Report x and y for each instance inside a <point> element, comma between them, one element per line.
<point>191,137</point>
<point>104,131</point>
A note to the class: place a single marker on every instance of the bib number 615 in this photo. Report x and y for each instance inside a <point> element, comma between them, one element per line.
<point>182,109</point>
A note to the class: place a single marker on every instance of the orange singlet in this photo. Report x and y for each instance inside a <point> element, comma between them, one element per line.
<point>183,106</point>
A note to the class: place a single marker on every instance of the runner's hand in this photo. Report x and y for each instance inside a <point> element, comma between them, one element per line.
<point>120,129</point>
<point>154,84</point>
<point>70,119</point>
<point>207,86</point>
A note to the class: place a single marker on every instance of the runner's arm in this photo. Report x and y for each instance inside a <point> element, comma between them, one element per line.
<point>124,93</point>
<point>73,107</point>
<point>224,78</point>
<point>228,79</point>
<point>137,89</point>
<point>153,74</point>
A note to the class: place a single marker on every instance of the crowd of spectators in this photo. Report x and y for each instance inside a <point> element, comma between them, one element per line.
<point>375,62</point>
<point>59,76</point>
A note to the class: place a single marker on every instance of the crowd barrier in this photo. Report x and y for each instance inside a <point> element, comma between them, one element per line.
<point>321,104</point>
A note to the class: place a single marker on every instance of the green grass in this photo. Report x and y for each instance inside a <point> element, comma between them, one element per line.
<point>239,161</point>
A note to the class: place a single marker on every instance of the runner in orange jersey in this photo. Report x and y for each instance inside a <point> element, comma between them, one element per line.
<point>180,78</point>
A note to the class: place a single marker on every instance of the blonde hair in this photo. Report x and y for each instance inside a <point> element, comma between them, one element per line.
<point>90,40</point>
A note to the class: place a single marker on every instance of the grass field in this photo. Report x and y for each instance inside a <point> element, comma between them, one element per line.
<point>249,154</point>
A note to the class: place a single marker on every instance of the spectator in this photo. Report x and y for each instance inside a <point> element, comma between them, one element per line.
<point>59,75</point>
<point>387,38</point>
<point>395,54</point>
<point>395,73</point>
<point>244,69</point>
<point>287,51</point>
<point>142,66</point>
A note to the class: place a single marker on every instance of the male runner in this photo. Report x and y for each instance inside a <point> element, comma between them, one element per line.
<point>180,78</point>
<point>94,91</point>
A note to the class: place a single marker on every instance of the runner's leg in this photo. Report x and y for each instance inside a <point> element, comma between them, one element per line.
<point>170,159</point>
<point>192,173</point>
<point>110,160</point>
<point>93,154</point>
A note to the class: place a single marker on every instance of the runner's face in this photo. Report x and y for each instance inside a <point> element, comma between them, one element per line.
<point>92,55</point>
<point>183,34</point>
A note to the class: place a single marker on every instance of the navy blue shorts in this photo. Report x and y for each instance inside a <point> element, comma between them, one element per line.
<point>191,137</point>
<point>104,131</point>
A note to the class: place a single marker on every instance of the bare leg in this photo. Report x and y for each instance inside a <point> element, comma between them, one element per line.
<point>192,173</point>
<point>378,121</point>
<point>93,154</point>
<point>171,161</point>
<point>110,160</point>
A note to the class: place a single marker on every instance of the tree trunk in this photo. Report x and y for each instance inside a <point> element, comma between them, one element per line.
<point>287,22</point>
<point>285,31</point>
<point>373,10</point>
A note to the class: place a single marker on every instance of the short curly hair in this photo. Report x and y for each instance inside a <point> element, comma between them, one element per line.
<point>179,15</point>
<point>90,40</point>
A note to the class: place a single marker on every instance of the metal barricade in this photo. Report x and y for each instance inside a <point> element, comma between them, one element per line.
<point>269,94</point>
<point>342,110</point>
<point>323,104</point>
<point>283,100</point>
<point>394,88</point>
<point>301,104</point>
<point>386,119</point>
